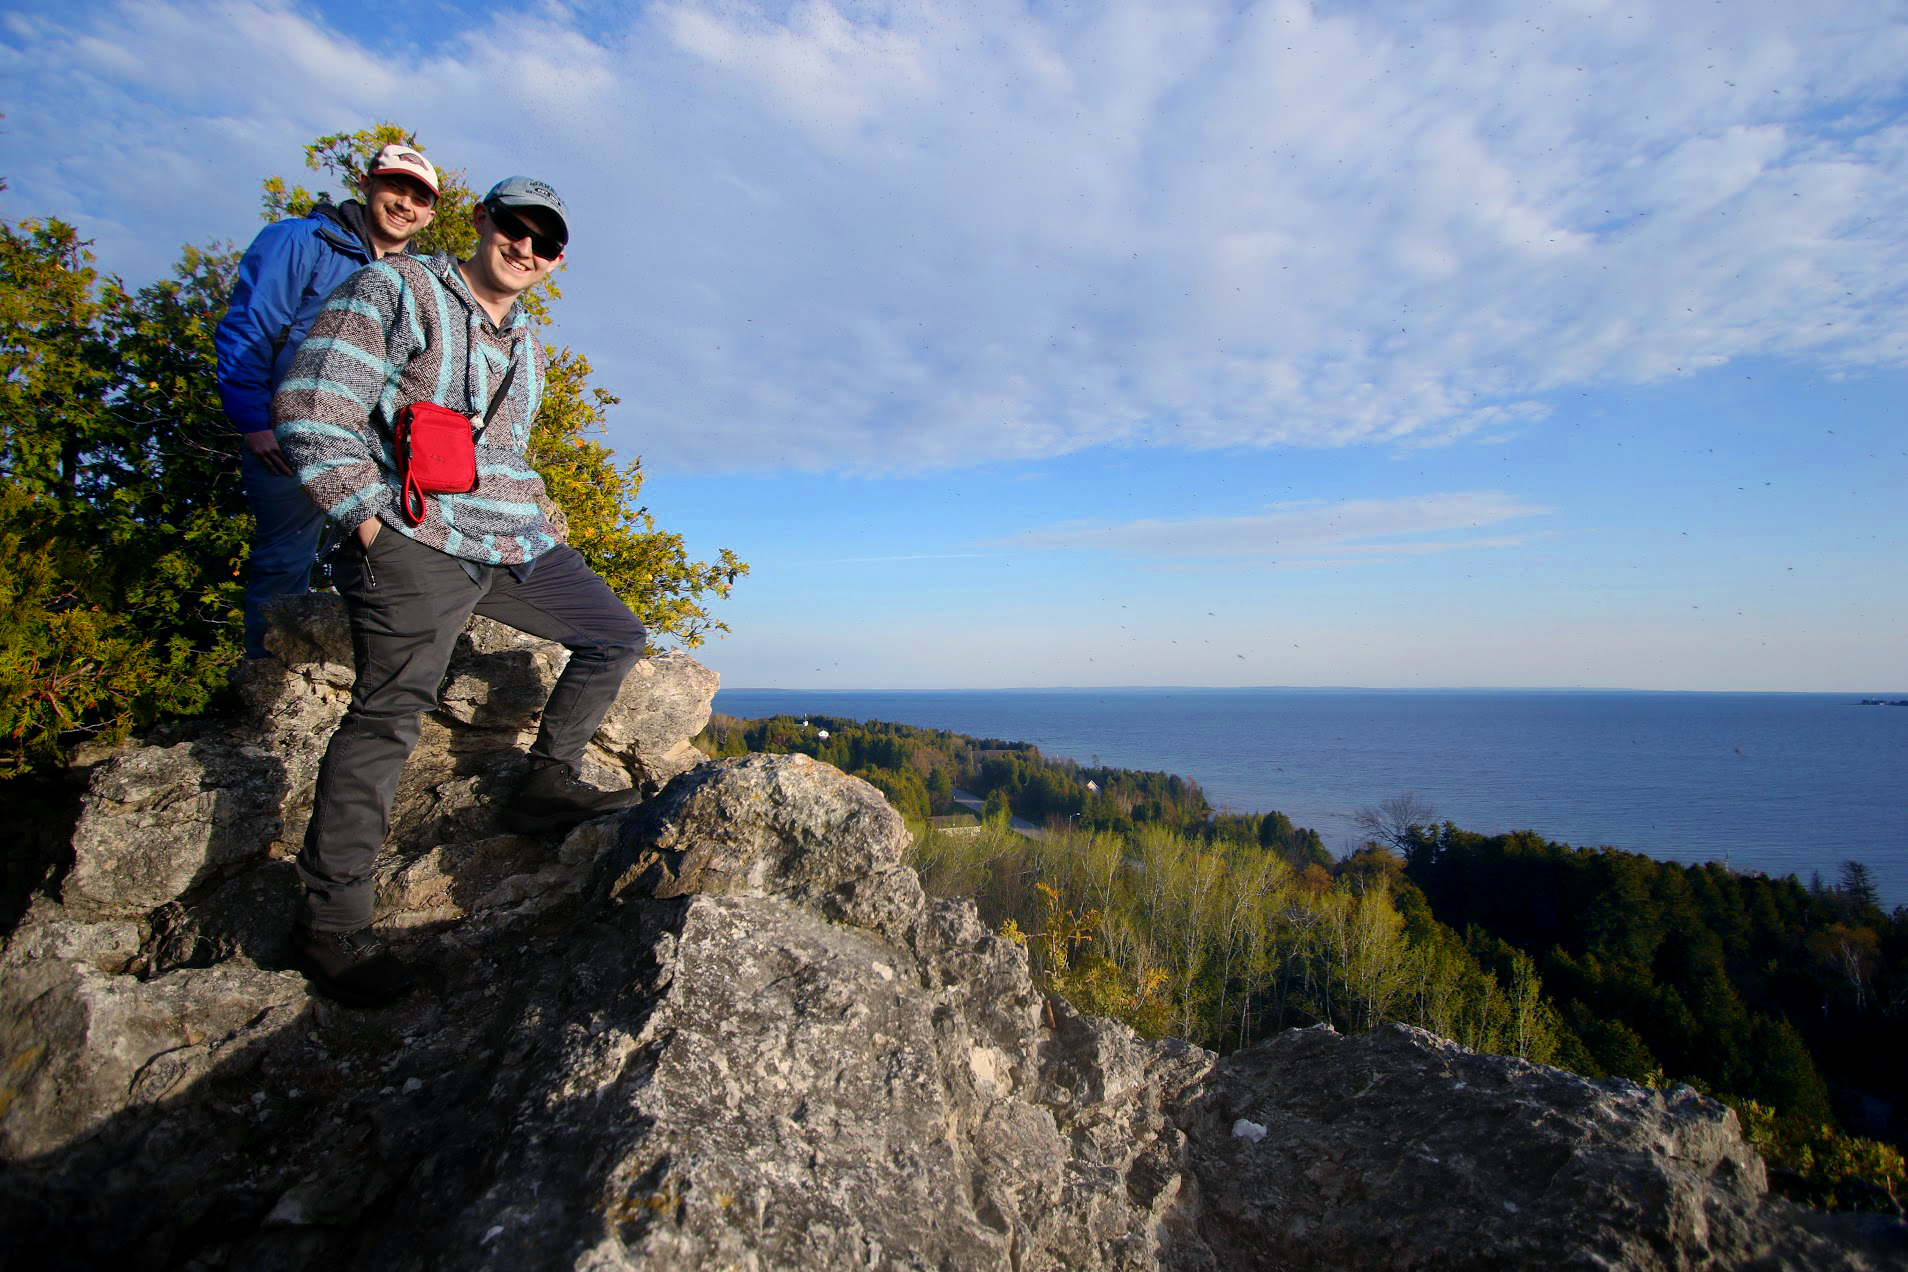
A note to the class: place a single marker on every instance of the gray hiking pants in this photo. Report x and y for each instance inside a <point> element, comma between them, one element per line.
<point>408,603</point>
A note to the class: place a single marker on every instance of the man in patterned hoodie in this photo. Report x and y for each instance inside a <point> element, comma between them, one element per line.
<point>404,330</point>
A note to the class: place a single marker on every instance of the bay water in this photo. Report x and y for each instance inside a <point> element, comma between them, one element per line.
<point>1782,783</point>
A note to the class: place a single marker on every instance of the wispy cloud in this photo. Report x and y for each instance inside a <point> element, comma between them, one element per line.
<point>1305,533</point>
<point>911,556</point>
<point>877,237</point>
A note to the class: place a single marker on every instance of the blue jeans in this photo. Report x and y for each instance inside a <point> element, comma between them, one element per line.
<point>283,547</point>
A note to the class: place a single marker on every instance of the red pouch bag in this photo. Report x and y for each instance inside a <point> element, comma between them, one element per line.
<point>437,450</point>
<point>436,455</point>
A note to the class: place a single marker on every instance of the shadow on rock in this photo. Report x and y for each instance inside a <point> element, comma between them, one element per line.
<point>308,1135</point>
<point>36,854</point>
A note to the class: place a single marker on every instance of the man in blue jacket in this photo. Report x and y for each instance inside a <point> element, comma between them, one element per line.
<point>282,282</point>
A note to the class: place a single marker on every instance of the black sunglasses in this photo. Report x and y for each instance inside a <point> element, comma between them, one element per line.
<point>513,227</point>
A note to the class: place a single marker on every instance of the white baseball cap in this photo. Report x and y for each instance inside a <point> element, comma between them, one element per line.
<point>405,162</point>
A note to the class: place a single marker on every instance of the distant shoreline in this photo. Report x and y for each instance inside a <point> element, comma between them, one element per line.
<point>1856,699</point>
<point>1777,781</point>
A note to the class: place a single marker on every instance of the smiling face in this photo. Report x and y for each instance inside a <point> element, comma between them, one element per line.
<point>396,209</point>
<point>505,266</point>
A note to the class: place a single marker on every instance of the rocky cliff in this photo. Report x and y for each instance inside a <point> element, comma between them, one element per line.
<point>727,1029</point>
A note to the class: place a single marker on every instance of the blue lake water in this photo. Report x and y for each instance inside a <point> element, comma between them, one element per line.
<point>1777,782</point>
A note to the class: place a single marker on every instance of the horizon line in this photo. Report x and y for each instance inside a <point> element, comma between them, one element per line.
<point>1857,693</point>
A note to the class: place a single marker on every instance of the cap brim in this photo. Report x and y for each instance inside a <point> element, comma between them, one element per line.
<point>537,204</point>
<point>405,172</point>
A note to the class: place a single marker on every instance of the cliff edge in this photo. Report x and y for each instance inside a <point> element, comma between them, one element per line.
<point>728,1029</point>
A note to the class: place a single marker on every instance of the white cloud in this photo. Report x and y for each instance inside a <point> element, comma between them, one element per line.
<point>148,126</point>
<point>1304,533</point>
<point>877,236</point>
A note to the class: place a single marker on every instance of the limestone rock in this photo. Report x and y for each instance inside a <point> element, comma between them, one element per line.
<point>503,872</point>
<point>245,916</point>
<point>664,703</point>
<point>164,822</point>
<point>80,1044</point>
<point>726,1029</point>
<point>158,820</point>
<point>775,825</point>
<point>1397,1148</point>
<point>741,1075</point>
<point>49,931</point>
<point>499,678</point>
<point>784,1104</point>
<point>311,632</point>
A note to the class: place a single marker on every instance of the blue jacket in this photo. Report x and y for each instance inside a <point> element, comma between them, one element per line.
<point>282,283</point>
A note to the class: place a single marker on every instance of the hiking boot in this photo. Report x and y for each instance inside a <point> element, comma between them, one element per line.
<point>353,967</point>
<point>553,798</point>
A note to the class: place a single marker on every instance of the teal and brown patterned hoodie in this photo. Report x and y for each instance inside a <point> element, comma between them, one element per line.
<point>401,330</point>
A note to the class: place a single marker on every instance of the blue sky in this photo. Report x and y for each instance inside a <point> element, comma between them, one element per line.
<point>1151,343</point>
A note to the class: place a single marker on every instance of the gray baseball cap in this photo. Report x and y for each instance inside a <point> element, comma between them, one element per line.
<point>528,192</point>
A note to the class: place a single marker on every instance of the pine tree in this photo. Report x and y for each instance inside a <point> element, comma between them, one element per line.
<point>122,527</point>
